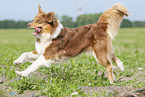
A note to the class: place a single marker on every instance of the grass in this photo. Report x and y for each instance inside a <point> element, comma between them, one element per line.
<point>64,79</point>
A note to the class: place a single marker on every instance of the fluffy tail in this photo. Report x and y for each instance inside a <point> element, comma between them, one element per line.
<point>113,17</point>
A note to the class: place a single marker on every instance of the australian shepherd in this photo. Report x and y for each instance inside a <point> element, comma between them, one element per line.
<point>55,43</point>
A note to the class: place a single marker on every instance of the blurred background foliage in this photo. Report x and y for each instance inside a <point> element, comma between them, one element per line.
<point>70,22</point>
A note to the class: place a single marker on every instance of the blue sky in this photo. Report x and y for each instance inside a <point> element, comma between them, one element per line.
<point>27,9</point>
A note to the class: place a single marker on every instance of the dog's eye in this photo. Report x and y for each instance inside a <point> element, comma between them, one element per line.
<point>38,20</point>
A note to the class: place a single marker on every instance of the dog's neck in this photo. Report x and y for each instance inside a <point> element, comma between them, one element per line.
<point>57,30</point>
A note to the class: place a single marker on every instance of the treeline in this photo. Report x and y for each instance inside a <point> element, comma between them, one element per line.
<point>68,21</point>
<point>93,18</point>
<point>13,24</point>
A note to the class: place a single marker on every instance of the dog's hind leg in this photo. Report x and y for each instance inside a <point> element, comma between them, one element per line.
<point>107,64</point>
<point>102,50</point>
<point>118,62</point>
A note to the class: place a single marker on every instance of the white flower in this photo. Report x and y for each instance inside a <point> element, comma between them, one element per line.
<point>75,93</point>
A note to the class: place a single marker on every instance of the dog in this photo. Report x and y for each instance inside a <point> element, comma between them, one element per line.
<point>55,43</point>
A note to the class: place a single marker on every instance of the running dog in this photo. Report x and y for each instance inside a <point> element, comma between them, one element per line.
<point>55,43</point>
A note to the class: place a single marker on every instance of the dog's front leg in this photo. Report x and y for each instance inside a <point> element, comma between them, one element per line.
<point>41,61</point>
<point>27,56</point>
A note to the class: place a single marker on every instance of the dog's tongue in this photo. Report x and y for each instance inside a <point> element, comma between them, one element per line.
<point>37,30</point>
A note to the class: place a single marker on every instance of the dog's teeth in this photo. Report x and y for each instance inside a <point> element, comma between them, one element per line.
<point>38,29</point>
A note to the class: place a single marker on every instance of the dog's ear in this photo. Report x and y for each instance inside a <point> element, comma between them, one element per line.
<point>49,16</point>
<point>40,9</point>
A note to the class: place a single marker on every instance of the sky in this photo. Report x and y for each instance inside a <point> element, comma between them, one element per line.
<point>27,9</point>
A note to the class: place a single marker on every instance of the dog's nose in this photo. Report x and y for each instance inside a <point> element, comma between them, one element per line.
<point>28,25</point>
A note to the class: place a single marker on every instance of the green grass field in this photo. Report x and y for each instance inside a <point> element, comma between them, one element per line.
<point>81,75</point>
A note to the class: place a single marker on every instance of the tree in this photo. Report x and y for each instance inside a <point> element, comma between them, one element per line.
<point>22,24</point>
<point>139,24</point>
<point>8,24</point>
<point>67,21</point>
<point>13,24</point>
<point>87,19</point>
<point>126,23</point>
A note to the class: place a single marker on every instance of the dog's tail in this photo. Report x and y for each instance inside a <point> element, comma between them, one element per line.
<point>113,17</point>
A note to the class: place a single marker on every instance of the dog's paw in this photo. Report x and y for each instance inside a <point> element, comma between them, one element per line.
<point>121,66</point>
<point>17,62</point>
<point>20,73</point>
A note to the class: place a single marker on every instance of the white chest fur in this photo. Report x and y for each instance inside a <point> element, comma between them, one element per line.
<point>45,41</point>
<point>40,47</point>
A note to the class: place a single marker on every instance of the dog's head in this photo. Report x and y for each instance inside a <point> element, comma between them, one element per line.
<point>44,22</point>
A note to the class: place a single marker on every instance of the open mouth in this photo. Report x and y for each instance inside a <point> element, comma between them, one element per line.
<point>37,31</point>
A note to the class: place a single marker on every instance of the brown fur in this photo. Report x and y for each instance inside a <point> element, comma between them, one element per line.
<point>71,42</point>
<point>34,52</point>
